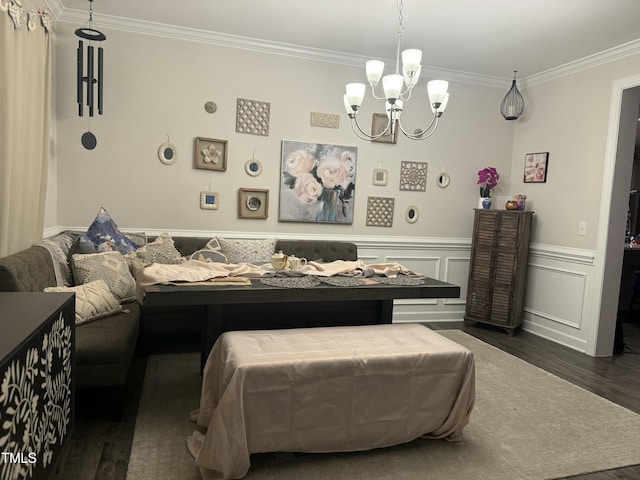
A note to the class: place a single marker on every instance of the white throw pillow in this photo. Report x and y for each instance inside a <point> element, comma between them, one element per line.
<point>161,250</point>
<point>94,300</point>
<point>256,252</point>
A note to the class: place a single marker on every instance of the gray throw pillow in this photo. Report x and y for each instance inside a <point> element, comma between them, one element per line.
<point>212,252</point>
<point>108,266</point>
<point>256,252</point>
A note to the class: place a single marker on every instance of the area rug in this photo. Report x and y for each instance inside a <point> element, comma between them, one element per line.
<point>527,424</point>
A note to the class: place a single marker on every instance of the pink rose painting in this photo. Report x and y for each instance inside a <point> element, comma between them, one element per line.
<point>318,182</point>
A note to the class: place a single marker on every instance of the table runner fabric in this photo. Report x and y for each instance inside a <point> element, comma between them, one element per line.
<point>328,389</point>
<point>197,271</point>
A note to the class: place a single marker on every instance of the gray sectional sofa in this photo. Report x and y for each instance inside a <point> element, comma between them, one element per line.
<point>106,347</point>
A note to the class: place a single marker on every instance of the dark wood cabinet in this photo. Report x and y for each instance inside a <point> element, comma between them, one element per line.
<point>36,371</point>
<point>499,251</point>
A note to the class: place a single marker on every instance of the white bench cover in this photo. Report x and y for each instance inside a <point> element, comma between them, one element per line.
<point>333,389</point>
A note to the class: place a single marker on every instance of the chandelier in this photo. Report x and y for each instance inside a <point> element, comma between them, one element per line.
<point>397,89</point>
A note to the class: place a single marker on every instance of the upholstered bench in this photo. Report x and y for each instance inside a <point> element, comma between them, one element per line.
<point>330,389</point>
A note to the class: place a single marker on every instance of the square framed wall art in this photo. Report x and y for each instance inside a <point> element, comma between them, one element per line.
<point>210,154</point>
<point>535,167</point>
<point>209,200</point>
<point>253,203</point>
<point>317,182</point>
<point>379,122</point>
<point>380,176</point>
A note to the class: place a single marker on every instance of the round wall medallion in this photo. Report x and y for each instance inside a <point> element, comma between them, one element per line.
<point>253,167</point>
<point>443,179</point>
<point>253,203</point>
<point>411,214</point>
<point>167,153</point>
<point>210,107</point>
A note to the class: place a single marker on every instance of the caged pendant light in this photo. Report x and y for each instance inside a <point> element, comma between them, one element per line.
<point>512,104</point>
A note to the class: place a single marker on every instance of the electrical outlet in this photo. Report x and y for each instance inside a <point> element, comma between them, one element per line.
<point>582,229</point>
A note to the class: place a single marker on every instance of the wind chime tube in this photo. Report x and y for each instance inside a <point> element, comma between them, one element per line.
<point>90,79</point>
<point>79,81</point>
<point>100,75</point>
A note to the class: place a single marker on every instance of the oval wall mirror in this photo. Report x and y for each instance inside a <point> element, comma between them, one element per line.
<point>411,214</point>
<point>167,153</point>
<point>443,179</point>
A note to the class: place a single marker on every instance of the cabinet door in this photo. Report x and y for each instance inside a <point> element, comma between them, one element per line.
<point>486,226</point>
<point>508,231</point>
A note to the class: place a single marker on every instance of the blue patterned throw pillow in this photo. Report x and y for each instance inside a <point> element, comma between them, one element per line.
<point>106,236</point>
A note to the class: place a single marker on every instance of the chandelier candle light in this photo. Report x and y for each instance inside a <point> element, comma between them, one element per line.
<point>394,94</point>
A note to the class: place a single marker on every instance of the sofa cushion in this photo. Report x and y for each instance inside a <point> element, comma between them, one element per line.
<point>94,300</point>
<point>105,349</point>
<point>108,266</point>
<point>104,233</point>
<point>256,252</point>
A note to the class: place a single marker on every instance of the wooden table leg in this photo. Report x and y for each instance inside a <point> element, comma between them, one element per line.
<point>386,311</point>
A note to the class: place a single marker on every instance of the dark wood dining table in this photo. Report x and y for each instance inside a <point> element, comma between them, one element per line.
<point>257,306</point>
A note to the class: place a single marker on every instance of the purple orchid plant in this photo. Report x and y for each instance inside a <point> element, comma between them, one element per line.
<point>487,179</point>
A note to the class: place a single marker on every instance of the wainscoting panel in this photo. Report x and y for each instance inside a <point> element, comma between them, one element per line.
<point>557,300</point>
<point>560,298</point>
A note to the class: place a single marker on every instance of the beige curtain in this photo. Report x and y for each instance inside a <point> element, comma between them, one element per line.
<point>25,110</point>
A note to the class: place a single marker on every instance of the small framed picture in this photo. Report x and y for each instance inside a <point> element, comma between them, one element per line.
<point>535,167</point>
<point>379,122</point>
<point>253,203</point>
<point>380,176</point>
<point>211,154</point>
<point>209,200</point>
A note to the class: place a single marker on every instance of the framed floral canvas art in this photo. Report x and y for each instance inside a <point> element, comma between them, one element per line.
<point>317,182</point>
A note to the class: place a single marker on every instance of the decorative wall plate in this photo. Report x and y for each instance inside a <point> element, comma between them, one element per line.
<point>210,107</point>
<point>167,153</point>
<point>443,179</point>
<point>253,166</point>
<point>411,214</point>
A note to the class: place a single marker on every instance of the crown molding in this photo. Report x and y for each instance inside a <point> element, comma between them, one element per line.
<point>585,63</point>
<point>75,16</point>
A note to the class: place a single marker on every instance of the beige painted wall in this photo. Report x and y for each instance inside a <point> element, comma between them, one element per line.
<point>156,86</point>
<point>568,117</point>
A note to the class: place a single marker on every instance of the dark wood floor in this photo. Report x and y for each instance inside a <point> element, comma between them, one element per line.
<point>99,447</point>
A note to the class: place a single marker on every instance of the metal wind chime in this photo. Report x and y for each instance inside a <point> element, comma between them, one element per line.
<point>89,78</point>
